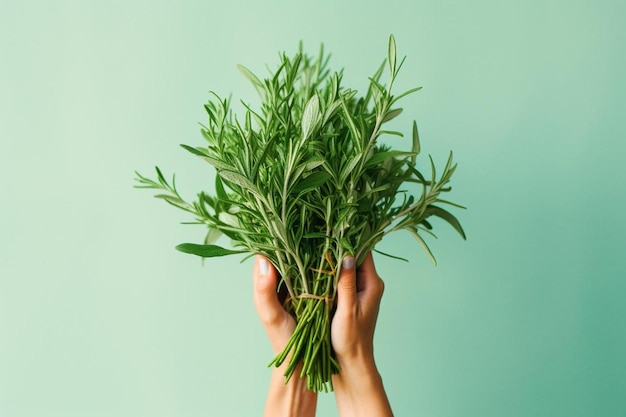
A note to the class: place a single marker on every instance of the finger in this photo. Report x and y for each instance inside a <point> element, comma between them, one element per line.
<point>367,267</point>
<point>370,286</point>
<point>346,286</point>
<point>264,293</point>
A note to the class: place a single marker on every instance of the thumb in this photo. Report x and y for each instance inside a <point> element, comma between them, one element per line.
<point>264,294</point>
<point>346,286</point>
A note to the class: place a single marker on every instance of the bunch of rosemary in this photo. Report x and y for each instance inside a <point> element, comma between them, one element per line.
<point>304,182</point>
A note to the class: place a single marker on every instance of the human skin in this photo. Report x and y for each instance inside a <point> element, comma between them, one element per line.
<point>359,389</point>
<point>283,400</point>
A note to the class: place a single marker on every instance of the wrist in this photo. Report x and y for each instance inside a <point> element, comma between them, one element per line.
<point>356,376</point>
<point>359,390</point>
<point>291,399</point>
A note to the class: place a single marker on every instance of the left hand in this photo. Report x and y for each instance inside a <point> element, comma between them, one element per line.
<point>283,400</point>
<point>279,325</point>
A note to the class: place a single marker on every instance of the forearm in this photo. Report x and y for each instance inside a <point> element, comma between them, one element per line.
<point>289,400</point>
<point>359,391</point>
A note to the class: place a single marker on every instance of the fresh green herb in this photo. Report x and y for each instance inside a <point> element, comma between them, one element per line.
<point>304,182</point>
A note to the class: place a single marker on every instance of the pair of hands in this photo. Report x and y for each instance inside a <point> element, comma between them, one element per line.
<point>358,387</point>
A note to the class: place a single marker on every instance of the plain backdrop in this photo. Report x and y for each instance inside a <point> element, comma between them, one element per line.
<point>100,316</point>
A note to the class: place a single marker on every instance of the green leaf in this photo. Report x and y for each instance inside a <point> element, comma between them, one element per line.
<point>310,116</point>
<point>349,168</point>
<point>195,151</point>
<point>447,216</point>
<point>212,235</point>
<point>380,157</point>
<point>347,118</point>
<point>390,132</point>
<point>160,176</point>
<point>241,181</point>
<point>219,188</point>
<point>311,182</point>
<point>391,114</point>
<point>392,56</point>
<point>169,198</point>
<point>331,110</point>
<point>238,179</point>
<point>206,251</point>
<point>390,256</point>
<point>314,163</point>
<point>374,80</point>
<point>204,155</point>
<point>427,224</point>
<point>406,93</point>
<point>250,75</point>
<point>258,85</point>
<point>218,165</point>
<point>439,200</point>
<point>416,142</point>
<point>317,235</point>
<point>425,246</point>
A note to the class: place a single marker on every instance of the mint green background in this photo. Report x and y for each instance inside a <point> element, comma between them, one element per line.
<point>99,316</point>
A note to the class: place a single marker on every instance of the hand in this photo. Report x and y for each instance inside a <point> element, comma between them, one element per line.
<point>293,398</point>
<point>278,324</point>
<point>358,299</point>
<point>358,387</point>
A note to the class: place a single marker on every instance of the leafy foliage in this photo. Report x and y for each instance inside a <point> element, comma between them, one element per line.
<point>304,182</point>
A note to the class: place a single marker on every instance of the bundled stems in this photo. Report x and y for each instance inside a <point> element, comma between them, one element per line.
<point>311,345</point>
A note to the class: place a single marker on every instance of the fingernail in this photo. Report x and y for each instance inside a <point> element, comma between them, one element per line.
<point>348,262</point>
<point>264,267</point>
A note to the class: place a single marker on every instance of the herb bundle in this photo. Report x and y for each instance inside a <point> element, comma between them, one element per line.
<point>304,182</point>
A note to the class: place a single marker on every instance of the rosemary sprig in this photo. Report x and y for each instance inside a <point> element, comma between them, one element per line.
<point>304,182</point>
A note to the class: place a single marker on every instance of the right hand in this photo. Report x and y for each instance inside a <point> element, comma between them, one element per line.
<point>359,292</point>
<point>359,389</point>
